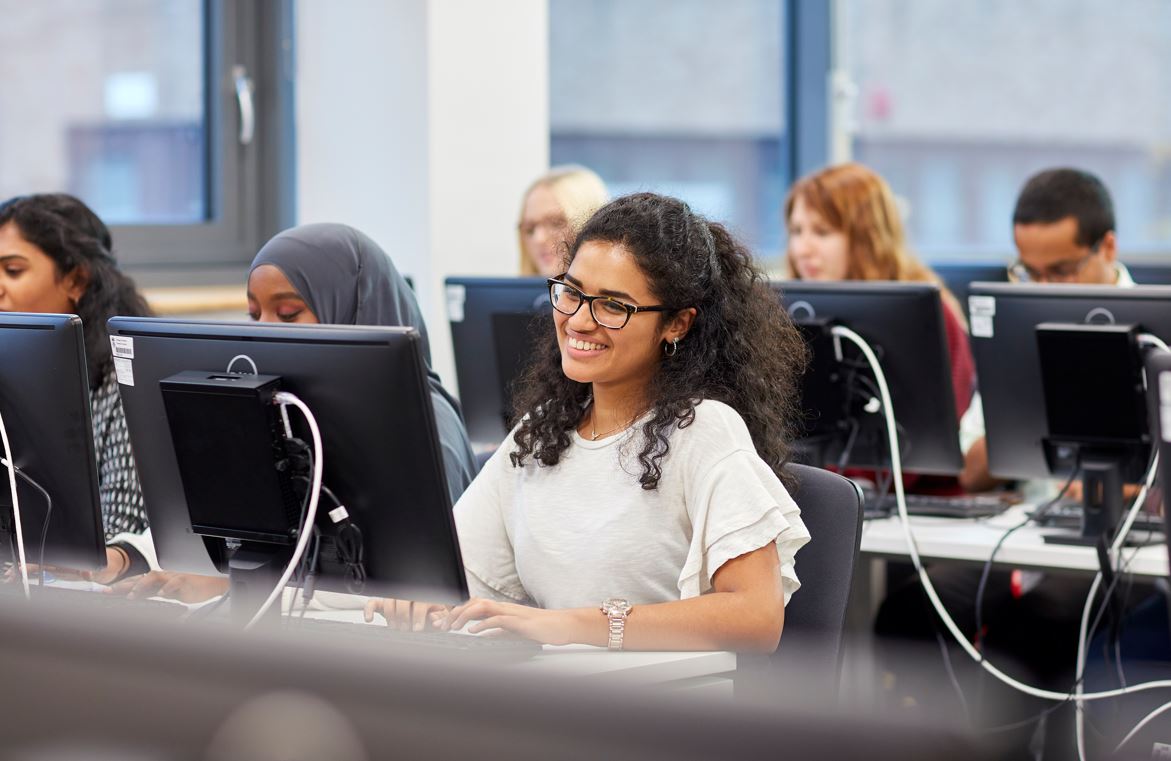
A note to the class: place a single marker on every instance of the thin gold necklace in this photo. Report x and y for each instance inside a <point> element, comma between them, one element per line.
<point>593,420</point>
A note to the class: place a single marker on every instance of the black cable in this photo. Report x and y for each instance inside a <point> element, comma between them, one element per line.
<point>951,675</point>
<point>44,529</point>
<point>1069,698</point>
<point>308,585</point>
<point>1037,515</point>
<point>848,448</point>
<point>351,552</point>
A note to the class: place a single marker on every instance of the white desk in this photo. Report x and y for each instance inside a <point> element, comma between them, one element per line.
<point>971,541</point>
<point>709,673</point>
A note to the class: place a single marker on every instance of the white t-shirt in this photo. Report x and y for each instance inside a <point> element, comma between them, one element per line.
<point>575,533</point>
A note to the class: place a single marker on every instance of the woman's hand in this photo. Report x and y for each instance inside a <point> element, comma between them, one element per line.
<point>184,587</point>
<point>117,561</point>
<point>405,615</point>
<point>549,627</point>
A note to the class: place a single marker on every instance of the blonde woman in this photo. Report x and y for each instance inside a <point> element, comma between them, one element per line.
<point>555,205</point>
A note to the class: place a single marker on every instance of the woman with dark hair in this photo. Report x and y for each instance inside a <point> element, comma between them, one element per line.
<point>639,503</point>
<point>56,256</point>
<point>336,275</point>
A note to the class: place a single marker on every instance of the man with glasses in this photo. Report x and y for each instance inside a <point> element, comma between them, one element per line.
<point>1063,228</point>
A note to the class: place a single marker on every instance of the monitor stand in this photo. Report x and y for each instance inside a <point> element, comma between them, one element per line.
<point>253,571</point>
<point>1102,507</point>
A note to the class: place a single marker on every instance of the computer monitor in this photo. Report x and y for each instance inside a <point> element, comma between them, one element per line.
<point>903,322</point>
<point>44,398</point>
<point>490,334</point>
<point>1007,348</point>
<point>959,276</point>
<point>367,388</point>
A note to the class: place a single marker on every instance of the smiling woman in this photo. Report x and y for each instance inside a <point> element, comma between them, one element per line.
<point>639,503</point>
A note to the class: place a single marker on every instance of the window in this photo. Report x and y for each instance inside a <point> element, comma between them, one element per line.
<point>958,104</point>
<point>682,97</point>
<point>131,105</point>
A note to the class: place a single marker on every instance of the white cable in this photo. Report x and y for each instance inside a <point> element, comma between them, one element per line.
<point>1083,629</point>
<point>20,560</point>
<point>913,551</point>
<point>1079,719</point>
<point>1149,339</point>
<point>283,398</point>
<point>1146,720</point>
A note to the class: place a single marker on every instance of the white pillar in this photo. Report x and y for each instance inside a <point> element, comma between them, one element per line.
<point>420,122</point>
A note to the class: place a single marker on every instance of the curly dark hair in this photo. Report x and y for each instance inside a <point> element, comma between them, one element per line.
<point>742,348</point>
<point>70,234</point>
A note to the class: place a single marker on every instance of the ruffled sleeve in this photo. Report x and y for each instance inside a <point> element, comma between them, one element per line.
<point>739,506</point>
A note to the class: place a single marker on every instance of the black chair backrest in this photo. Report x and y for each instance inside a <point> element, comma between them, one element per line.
<point>831,508</point>
<point>1150,274</point>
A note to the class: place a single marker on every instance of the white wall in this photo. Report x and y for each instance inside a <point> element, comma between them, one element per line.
<point>421,122</point>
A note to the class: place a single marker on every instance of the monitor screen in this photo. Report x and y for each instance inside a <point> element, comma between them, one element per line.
<point>1005,345</point>
<point>367,388</point>
<point>486,360</point>
<point>44,398</point>
<point>903,322</point>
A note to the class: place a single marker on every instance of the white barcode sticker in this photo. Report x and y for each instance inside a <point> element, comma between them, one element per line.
<point>124,369</point>
<point>456,296</point>
<point>122,346</point>
<point>985,305</point>
<point>981,326</point>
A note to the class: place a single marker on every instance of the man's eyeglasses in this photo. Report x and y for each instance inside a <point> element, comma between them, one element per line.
<point>1061,272</point>
<point>607,311</point>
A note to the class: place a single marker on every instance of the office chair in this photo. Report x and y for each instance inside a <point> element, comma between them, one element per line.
<point>811,644</point>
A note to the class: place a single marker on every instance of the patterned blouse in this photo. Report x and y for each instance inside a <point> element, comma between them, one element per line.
<point>118,488</point>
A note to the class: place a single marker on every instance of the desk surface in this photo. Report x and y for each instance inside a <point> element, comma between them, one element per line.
<point>628,668</point>
<point>973,540</point>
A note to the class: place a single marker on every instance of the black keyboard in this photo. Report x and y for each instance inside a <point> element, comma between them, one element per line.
<point>961,506</point>
<point>1069,515</point>
<point>433,642</point>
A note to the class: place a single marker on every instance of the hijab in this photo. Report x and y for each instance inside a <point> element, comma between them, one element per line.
<point>345,278</point>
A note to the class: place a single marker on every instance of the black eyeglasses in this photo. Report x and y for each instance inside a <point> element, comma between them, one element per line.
<point>1061,272</point>
<point>607,311</point>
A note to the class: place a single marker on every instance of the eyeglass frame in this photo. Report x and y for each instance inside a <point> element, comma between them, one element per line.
<point>1078,266</point>
<point>631,309</point>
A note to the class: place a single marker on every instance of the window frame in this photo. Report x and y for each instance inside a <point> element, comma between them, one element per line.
<point>249,188</point>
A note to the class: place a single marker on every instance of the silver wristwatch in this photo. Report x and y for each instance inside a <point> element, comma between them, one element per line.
<point>616,610</point>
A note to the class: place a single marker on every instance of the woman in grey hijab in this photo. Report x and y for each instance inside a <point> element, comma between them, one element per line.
<point>334,274</point>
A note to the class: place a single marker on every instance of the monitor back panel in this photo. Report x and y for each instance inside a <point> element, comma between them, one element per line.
<point>365,386</point>
<point>472,304</point>
<point>904,323</point>
<point>1004,344</point>
<point>44,397</point>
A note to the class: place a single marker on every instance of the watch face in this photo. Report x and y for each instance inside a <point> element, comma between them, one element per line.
<point>615,606</point>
